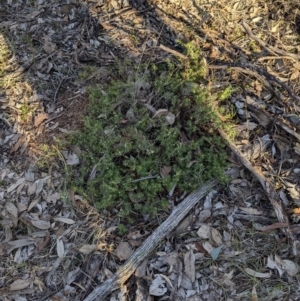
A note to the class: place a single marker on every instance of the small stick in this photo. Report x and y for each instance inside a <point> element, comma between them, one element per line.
<point>174,52</point>
<point>255,71</point>
<point>275,58</point>
<point>5,120</point>
<point>267,186</point>
<point>57,89</point>
<point>270,48</point>
<point>252,106</point>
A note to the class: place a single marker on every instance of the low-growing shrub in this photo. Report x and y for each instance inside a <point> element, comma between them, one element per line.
<point>148,134</point>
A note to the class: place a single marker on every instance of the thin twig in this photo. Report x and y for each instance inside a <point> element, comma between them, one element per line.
<point>278,95</point>
<point>267,185</point>
<point>272,78</point>
<point>57,89</point>
<point>269,48</point>
<point>253,106</point>
<point>5,121</point>
<point>144,178</point>
<point>242,67</point>
<point>174,52</point>
<point>265,58</point>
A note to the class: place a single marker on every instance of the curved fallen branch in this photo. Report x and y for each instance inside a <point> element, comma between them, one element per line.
<point>256,108</point>
<point>179,212</point>
<point>262,75</point>
<point>267,186</point>
<point>271,49</point>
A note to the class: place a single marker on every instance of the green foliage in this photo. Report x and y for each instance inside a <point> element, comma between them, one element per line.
<point>227,93</point>
<point>86,72</point>
<point>25,110</point>
<point>27,40</point>
<point>122,229</point>
<point>129,147</point>
<point>5,54</point>
<point>194,69</point>
<point>47,154</point>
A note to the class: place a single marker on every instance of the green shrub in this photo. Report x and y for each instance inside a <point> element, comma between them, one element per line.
<point>129,147</point>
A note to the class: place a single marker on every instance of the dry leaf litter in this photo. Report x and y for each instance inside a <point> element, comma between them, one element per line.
<point>54,245</point>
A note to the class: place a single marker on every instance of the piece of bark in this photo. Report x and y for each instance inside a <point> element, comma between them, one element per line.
<point>179,212</point>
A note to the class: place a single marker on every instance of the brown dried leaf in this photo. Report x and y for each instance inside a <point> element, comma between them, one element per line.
<point>41,243</point>
<point>204,215</point>
<point>141,269</point>
<point>87,249</point>
<point>257,274</point>
<point>189,265</point>
<point>158,286</point>
<point>295,75</point>
<point>170,117</point>
<point>226,279</point>
<point>200,248</point>
<point>283,265</point>
<point>40,184</point>
<point>41,224</point>
<point>108,273</point>
<point>60,247</point>
<point>123,250</point>
<point>33,203</point>
<point>15,185</point>
<point>216,236</point>
<point>8,233</point>
<point>252,211</point>
<point>71,159</point>
<point>12,214</point>
<point>208,247</point>
<point>254,294</point>
<point>53,198</point>
<point>106,26</point>
<point>272,227</point>
<point>19,284</point>
<point>40,118</point>
<point>64,220</point>
<point>40,284</point>
<point>165,170</point>
<point>19,143</point>
<point>204,232</point>
<point>137,235</point>
<point>31,189</point>
<point>49,47</point>
<point>160,112</point>
<point>7,247</point>
<point>290,267</point>
<point>12,210</point>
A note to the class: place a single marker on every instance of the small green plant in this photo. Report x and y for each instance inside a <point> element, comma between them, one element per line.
<point>48,155</point>
<point>122,229</point>
<point>148,134</point>
<point>135,39</point>
<point>253,46</point>
<point>227,93</point>
<point>5,54</point>
<point>86,72</point>
<point>27,39</point>
<point>25,110</point>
